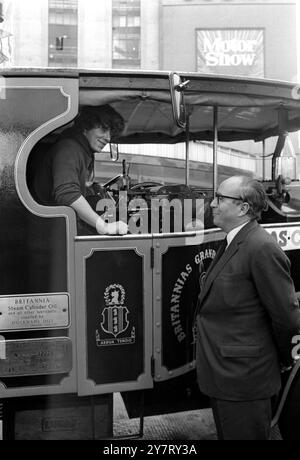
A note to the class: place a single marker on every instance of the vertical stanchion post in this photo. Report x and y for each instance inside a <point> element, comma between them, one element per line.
<point>2,356</point>
<point>187,151</point>
<point>215,151</point>
<point>1,421</point>
<point>264,160</point>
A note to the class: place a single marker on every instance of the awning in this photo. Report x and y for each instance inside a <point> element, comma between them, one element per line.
<point>247,109</point>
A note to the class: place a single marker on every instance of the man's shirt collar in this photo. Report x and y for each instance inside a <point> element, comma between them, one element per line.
<point>234,232</point>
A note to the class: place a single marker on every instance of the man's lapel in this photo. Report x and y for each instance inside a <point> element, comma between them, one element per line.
<point>221,259</point>
<point>218,255</point>
<point>217,267</point>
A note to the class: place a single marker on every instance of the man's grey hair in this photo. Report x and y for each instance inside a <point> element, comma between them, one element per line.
<point>252,192</point>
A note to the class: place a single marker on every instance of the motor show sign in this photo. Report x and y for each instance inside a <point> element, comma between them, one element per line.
<point>231,52</point>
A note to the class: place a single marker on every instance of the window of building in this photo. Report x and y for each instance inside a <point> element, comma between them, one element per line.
<point>63,33</point>
<point>126,34</point>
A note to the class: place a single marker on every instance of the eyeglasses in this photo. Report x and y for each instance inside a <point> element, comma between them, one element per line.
<point>219,197</point>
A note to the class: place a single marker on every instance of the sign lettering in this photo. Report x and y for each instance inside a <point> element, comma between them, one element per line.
<point>34,312</point>
<point>288,238</point>
<point>231,51</point>
<point>37,357</point>
<point>296,349</point>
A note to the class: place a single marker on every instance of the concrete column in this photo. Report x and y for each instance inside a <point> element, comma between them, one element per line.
<point>6,30</point>
<point>94,33</point>
<point>30,33</point>
<point>150,34</point>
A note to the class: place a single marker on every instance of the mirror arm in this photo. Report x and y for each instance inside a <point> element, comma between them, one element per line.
<point>187,149</point>
<point>182,86</point>
<point>116,158</point>
<point>278,149</point>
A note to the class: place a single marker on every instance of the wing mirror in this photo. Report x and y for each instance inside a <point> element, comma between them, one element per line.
<point>284,158</point>
<point>177,87</point>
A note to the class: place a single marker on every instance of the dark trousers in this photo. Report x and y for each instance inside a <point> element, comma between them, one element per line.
<point>242,420</point>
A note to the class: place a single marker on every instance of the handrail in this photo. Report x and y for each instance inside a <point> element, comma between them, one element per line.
<point>285,392</point>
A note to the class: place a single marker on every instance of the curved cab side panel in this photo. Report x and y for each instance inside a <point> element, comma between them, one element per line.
<point>36,242</point>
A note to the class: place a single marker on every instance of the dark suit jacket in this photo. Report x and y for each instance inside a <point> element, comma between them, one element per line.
<point>247,314</point>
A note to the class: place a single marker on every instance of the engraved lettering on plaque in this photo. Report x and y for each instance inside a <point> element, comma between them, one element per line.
<point>59,424</point>
<point>42,311</point>
<point>52,355</point>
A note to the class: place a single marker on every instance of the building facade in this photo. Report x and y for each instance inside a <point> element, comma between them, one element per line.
<point>246,38</point>
<point>233,37</point>
<point>256,38</point>
<point>83,33</point>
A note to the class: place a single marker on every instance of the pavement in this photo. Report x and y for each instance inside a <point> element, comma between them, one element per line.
<point>190,425</point>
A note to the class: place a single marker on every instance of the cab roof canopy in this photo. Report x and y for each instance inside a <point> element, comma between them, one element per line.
<point>247,108</point>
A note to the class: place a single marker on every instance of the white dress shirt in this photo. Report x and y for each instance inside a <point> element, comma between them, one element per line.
<point>233,233</point>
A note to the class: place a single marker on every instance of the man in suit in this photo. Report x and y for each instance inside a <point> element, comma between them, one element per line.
<point>247,314</point>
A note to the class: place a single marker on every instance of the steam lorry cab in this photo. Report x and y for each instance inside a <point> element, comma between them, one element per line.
<point>82,315</point>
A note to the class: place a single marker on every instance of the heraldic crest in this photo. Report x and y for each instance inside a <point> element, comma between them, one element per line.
<point>114,317</point>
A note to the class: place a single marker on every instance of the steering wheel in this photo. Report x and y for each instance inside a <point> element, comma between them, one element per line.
<point>112,181</point>
<point>145,185</point>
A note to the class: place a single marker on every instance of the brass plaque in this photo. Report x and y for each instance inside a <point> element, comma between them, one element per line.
<point>38,311</point>
<point>59,423</point>
<point>51,355</point>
